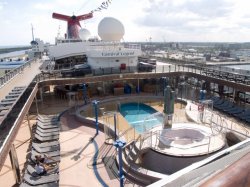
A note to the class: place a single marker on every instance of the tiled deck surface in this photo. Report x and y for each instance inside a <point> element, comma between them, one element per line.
<point>77,150</point>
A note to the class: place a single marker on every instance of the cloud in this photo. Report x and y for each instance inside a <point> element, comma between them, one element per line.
<point>196,19</point>
<point>174,13</point>
<point>2,4</point>
<point>43,6</point>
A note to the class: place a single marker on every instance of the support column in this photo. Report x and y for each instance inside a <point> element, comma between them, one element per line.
<point>36,106</point>
<point>221,89</point>
<point>28,120</point>
<point>15,164</point>
<point>138,86</point>
<point>41,94</point>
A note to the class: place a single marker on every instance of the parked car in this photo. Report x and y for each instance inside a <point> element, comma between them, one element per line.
<point>77,70</point>
<point>143,66</point>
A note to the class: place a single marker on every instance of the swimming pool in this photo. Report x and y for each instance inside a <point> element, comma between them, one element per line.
<point>140,116</point>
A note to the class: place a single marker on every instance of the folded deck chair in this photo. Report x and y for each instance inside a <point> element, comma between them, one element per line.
<point>44,134</point>
<point>15,92</point>
<point>9,99</point>
<point>56,129</point>
<point>47,117</point>
<point>12,95</point>
<point>47,144</point>
<point>56,123</point>
<point>55,119</point>
<point>4,107</point>
<point>39,180</point>
<point>52,184</point>
<point>46,138</point>
<point>224,107</point>
<point>49,154</point>
<point>42,126</point>
<point>45,149</point>
<point>235,110</point>
<point>243,115</point>
<point>19,87</point>
<point>3,103</point>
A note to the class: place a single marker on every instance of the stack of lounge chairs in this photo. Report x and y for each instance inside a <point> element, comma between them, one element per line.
<point>10,100</point>
<point>231,109</point>
<point>45,142</point>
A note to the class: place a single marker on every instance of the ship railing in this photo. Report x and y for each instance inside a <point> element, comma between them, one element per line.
<point>224,124</point>
<point>167,68</point>
<point>12,73</point>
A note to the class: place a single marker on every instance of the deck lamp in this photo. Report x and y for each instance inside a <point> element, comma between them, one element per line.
<point>120,144</point>
<point>95,104</point>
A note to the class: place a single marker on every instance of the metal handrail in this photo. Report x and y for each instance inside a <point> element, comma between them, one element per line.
<point>12,73</point>
<point>162,69</point>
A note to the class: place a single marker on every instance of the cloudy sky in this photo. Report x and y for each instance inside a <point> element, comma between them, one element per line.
<point>161,20</point>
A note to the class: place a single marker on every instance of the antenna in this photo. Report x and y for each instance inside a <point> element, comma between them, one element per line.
<point>59,31</point>
<point>32,29</point>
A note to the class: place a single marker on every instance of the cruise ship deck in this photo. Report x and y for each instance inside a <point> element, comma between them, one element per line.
<point>85,158</point>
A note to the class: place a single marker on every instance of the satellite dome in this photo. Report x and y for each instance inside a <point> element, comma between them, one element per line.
<point>110,29</point>
<point>84,34</point>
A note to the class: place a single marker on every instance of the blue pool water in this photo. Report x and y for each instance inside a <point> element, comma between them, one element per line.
<point>140,116</point>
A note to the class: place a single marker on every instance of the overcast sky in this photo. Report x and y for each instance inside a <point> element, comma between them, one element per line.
<point>162,20</point>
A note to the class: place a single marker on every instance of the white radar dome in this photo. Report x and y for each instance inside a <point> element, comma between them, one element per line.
<point>110,29</point>
<point>84,34</point>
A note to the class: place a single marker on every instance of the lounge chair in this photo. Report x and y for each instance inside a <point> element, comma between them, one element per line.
<point>41,126</point>
<point>225,105</point>
<point>219,102</point>
<point>47,144</point>
<point>31,170</point>
<point>215,99</point>
<point>46,138</point>
<point>48,122</point>
<point>52,184</point>
<point>49,154</point>
<point>44,134</point>
<point>235,110</point>
<point>5,103</point>
<point>45,149</point>
<point>56,129</point>
<point>9,100</point>
<point>39,180</point>
<point>47,118</point>
<point>243,114</point>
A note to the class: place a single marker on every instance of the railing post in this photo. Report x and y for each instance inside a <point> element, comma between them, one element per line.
<point>120,144</point>
<point>115,124</point>
<point>95,104</point>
